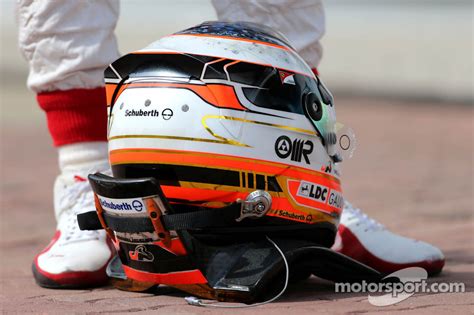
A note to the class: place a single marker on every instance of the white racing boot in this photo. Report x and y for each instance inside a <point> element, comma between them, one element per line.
<point>73,258</point>
<point>369,242</point>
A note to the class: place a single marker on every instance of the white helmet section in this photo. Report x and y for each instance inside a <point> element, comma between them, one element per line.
<point>232,48</point>
<point>178,119</point>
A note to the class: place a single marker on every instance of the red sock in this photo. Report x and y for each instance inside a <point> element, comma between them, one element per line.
<point>78,115</point>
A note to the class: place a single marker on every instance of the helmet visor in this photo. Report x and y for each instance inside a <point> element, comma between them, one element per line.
<point>276,89</point>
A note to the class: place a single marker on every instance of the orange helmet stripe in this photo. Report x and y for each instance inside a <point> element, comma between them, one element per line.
<point>218,95</point>
<point>146,156</point>
<point>204,195</point>
<point>179,277</point>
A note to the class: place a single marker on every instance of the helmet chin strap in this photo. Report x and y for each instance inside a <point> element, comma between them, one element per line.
<point>192,300</point>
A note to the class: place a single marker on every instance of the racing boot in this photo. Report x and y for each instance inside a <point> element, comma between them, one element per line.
<point>370,243</point>
<point>74,258</point>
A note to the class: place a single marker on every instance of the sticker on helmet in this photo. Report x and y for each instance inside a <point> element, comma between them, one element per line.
<point>313,191</point>
<point>287,77</point>
<point>295,149</point>
<point>319,196</point>
<point>121,206</point>
<point>167,113</point>
<point>335,199</point>
<point>142,113</point>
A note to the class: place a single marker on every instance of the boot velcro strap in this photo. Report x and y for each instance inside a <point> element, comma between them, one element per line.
<point>220,217</point>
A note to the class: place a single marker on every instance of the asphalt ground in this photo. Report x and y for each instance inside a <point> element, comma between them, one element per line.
<point>412,171</point>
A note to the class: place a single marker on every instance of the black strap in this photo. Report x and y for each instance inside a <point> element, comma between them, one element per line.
<point>128,224</point>
<point>220,217</point>
<point>89,221</point>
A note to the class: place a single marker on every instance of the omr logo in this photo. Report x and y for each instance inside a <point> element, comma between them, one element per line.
<point>296,149</point>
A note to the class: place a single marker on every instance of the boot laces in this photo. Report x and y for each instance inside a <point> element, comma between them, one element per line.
<point>76,198</point>
<point>361,218</point>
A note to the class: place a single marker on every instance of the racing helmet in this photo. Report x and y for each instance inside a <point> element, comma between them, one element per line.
<point>223,145</point>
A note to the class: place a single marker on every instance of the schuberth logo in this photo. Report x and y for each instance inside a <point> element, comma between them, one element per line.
<point>299,217</point>
<point>115,206</point>
<point>142,113</point>
<point>137,205</point>
<point>124,206</point>
<point>295,149</point>
<point>167,113</point>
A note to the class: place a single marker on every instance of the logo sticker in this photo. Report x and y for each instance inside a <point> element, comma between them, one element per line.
<point>137,205</point>
<point>313,191</point>
<point>319,196</point>
<point>335,199</point>
<point>142,113</point>
<point>295,150</point>
<point>141,254</point>
<point>167,113</point>
<point>287,77</point>
<point>121,205</point>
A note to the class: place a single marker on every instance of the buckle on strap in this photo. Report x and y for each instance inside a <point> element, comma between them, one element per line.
<point>123,198</point>
<point>154,213</point>
<point>120,204</point>
<point>100,216</point>
<point>256,205</point>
